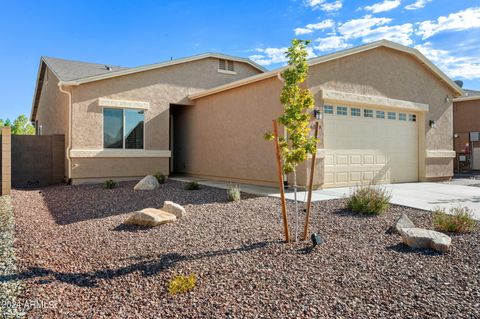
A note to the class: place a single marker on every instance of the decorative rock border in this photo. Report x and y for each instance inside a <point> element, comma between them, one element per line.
<point>9,289</point>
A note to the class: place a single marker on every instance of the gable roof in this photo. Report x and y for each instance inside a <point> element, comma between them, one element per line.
<point>337,55</point>
<point>74,73</point>
<point>470,95</point>
<point>126,71</point>
<point>68,70</point>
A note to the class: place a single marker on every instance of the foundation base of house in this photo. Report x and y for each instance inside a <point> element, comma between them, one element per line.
<point>83,181</point>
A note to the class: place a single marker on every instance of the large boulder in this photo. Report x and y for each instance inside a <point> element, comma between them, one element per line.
<point>174,209</point>
<point>424,238</point>
<point>150,217</point>
<point>402,222</point>
<point>147,183</point>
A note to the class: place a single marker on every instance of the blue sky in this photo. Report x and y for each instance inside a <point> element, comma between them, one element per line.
<point>132,33</point>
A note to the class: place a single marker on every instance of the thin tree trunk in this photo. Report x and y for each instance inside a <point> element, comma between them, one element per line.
<point>280,180</point>
<point>296,202</point>
<point>310,186</point>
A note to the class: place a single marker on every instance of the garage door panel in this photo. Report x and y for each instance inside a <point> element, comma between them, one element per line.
<point>360,150</point>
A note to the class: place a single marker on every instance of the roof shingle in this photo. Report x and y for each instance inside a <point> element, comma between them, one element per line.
<point>68,70</point>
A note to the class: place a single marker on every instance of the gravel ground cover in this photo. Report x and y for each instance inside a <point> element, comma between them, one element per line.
<point>78,261</point>
<point>9,289</point>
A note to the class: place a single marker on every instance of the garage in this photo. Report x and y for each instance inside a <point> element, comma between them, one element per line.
<point>365,144</point>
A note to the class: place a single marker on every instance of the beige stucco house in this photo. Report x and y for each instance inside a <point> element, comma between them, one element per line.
<point>386,116</point>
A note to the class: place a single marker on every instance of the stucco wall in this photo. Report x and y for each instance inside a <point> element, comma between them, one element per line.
<point>232,147</point>
<point>160,87</point>
<point>392,74</point>
<point>52,107</point>
<point>224,134</point>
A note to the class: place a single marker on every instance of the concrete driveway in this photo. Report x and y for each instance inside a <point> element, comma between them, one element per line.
<point>427,196</point>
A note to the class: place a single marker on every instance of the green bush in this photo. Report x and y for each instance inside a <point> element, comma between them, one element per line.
<point>109,184</point>
<point>369,200</point>
<point>160,177</point>
<point>181,284</point>
<point>459,220</point>
<point>234,193</point>
<point>192,186</point>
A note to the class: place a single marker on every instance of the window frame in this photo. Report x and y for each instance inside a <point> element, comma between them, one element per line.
<point>343,109</point>
<point>365,113</point>
<point>400,117</point>
<point>359,114</point>
<point>394,116</point>
<point>412,117</point>
<point>377,112</point>
<point>329,106</point>
<point>123,129</point>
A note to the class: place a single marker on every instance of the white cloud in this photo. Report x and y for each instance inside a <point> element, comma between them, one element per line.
<point>314,3</point>
<point>331,43</point>
<point>270,56</point>
<point>324,6</point>
<point>417,4</point>
<point>464,67</point>
<point>331,6</point>
<point>462,20</point>
<point>309,28</point>
<point>386,5</point>
<point>397,33</point>
<point>358,27</point>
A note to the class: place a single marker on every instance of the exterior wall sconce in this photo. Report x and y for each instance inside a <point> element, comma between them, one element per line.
<point>433,124</point>
<point>455,135</point>
<point>447,99</point>
<point>317,114</point>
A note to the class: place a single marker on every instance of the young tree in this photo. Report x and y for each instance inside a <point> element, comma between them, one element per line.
<point>298,103</point>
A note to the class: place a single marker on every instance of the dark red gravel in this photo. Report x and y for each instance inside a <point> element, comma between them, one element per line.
<point>77,260</point>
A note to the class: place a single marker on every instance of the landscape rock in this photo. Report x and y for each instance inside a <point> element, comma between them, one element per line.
<point>424,238</point>
<point>147,183</point>
<point>150,217</point>
<point>174,208</point>
<point>402,222</point>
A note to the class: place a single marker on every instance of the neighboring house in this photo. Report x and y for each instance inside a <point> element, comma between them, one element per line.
<point>387,117</point>
<point>466,128</point>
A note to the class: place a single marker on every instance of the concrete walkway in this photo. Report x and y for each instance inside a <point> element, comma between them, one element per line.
<point>427,196</point>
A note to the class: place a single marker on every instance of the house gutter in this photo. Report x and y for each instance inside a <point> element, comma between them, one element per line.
<point>69,142</point>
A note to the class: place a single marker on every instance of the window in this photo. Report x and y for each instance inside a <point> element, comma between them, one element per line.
<point>342,110</point>
<point>412,117</point>
<point>380,114</point>
<point>123,128</point>
<point>355,112</point>
<point>226,65</point>
<point>402,116</point>
<point>367,113</point>
<point>392,115</point>
<point>328,109</point>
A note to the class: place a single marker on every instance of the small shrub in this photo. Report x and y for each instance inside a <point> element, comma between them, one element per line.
<point>459,220</point>
<point>109,184</point>
<point>234,193</point>
<point>192,186</point>
<point>160,177</point>
<point>369,200</point>
<point>181,284</point>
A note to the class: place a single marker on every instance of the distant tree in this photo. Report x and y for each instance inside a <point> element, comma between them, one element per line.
<point>21,125</point>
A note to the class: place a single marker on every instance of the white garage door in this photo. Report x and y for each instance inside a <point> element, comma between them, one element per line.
<point>365,145</point>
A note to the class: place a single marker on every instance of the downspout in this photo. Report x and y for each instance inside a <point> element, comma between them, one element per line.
<point>69,142</point>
